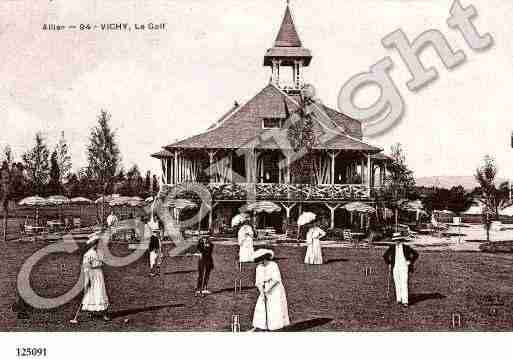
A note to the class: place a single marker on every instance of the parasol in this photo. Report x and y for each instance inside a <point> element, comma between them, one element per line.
<point>359,207</point>
<point>239,218</point>
<point>33,201</point>
<point>306,217</point>
<point>262,206</point>
<point>57,200</point>
<point>80,200</point>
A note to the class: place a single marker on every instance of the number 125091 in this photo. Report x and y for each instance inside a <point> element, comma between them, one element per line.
<point>31,352</point>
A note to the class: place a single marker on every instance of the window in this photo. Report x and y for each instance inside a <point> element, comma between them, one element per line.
<point>271,123</point>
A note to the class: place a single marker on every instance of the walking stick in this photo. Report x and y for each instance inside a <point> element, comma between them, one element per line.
<point>265,306</point>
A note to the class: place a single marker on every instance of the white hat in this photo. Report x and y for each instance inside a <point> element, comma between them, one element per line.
<point>240,218</point>
<point>262,252</point>
<point>396,236</point>
<point>93,238</point>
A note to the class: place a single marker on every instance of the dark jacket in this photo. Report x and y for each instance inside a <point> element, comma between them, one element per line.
<point>410,254</point>
<point>205,248</point>
<point>154,243</point>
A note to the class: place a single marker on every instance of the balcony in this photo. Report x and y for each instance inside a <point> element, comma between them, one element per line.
<point>287,192</point>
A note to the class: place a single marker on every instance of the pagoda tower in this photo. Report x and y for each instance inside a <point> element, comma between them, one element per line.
<point>287,51</point>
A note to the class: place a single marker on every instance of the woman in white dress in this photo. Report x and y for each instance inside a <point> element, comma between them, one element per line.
<point>245,237</point>
<point>313,250</point>
<point>271,309</point>
<point>95,298</point>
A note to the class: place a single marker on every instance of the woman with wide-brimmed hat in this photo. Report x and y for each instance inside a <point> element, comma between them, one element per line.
<point>400,259</point>
<point>271,309</point>
<point>95,298</point>
<point>313,236</point>
<point>245,237</point>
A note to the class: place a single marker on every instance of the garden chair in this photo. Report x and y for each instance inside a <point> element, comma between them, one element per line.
<point>347,235</point>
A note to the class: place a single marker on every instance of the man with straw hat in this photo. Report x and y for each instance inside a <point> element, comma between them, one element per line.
<point>271,309</point>
<point>95,298</point>
<point>400,259</point>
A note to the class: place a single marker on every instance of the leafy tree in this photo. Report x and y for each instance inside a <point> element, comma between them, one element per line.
<point>103,154</point>
<point>155,185</point>
<point>36,164</point>
<point>147,184</point>
<point>54,185</point>
<point>400,180</point>
<point>301,136</point>
<point>11,178</point>
<point>485,176</point>
<point>63,158</point>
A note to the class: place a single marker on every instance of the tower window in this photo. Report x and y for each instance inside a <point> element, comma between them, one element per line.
<point>271,122</point>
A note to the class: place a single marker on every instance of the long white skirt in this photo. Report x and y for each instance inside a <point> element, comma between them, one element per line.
<point>277,314</point>
<point>246,251</point>
<point>401,283</point>
<point>95,298</point>
<point>314,253</point>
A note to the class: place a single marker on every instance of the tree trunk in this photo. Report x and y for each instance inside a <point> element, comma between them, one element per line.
<point>6,216</point>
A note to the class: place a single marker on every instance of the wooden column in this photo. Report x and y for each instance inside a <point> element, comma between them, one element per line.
<point>211,155</point>
<point>332,214</point>
<point>175,168</point>
<point>362,174</point>
<point>332,155</point>
<point>369,173</point>
<point>287,210</point>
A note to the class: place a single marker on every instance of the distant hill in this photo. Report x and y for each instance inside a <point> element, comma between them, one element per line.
<point>468,182</point>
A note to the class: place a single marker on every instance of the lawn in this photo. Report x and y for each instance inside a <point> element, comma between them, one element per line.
<point>335,296</point>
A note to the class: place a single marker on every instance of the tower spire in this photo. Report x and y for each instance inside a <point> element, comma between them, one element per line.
<point>287,51</point>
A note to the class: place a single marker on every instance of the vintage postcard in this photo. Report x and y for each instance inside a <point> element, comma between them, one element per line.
<point>253,166</point>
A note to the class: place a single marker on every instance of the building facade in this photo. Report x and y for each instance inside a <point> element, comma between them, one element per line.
<point>247,154</point>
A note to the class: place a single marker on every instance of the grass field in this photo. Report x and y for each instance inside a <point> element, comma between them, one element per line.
<point>335,296</point>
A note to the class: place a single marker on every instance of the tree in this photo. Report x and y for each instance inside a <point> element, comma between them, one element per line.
<point>63,158</point>
<point>103,154</point>
<point>485,176</point>
<point>147,184</point>
<point>155,185</point>
<point>36,164</point>
<point>301,135</point>
<point>54,185</point>
<point>11,177</point>
<point>400,180</point>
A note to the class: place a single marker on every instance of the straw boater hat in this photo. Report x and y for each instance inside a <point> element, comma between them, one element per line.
<point>397,237</point>
<point>260,254</point>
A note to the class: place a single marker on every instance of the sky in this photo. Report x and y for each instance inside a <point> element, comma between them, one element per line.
<point>164,85</point>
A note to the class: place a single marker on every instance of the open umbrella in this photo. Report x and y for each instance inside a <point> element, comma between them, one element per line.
<point>33,201</point>
<point>261,206</point>
<point>80,200</point>
<point>239,218</point>
<point>306,217</point>
<point>58,200</point>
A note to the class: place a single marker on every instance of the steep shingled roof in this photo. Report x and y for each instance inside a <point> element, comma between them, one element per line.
<point>243,127</point>
<point>287,36</point>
